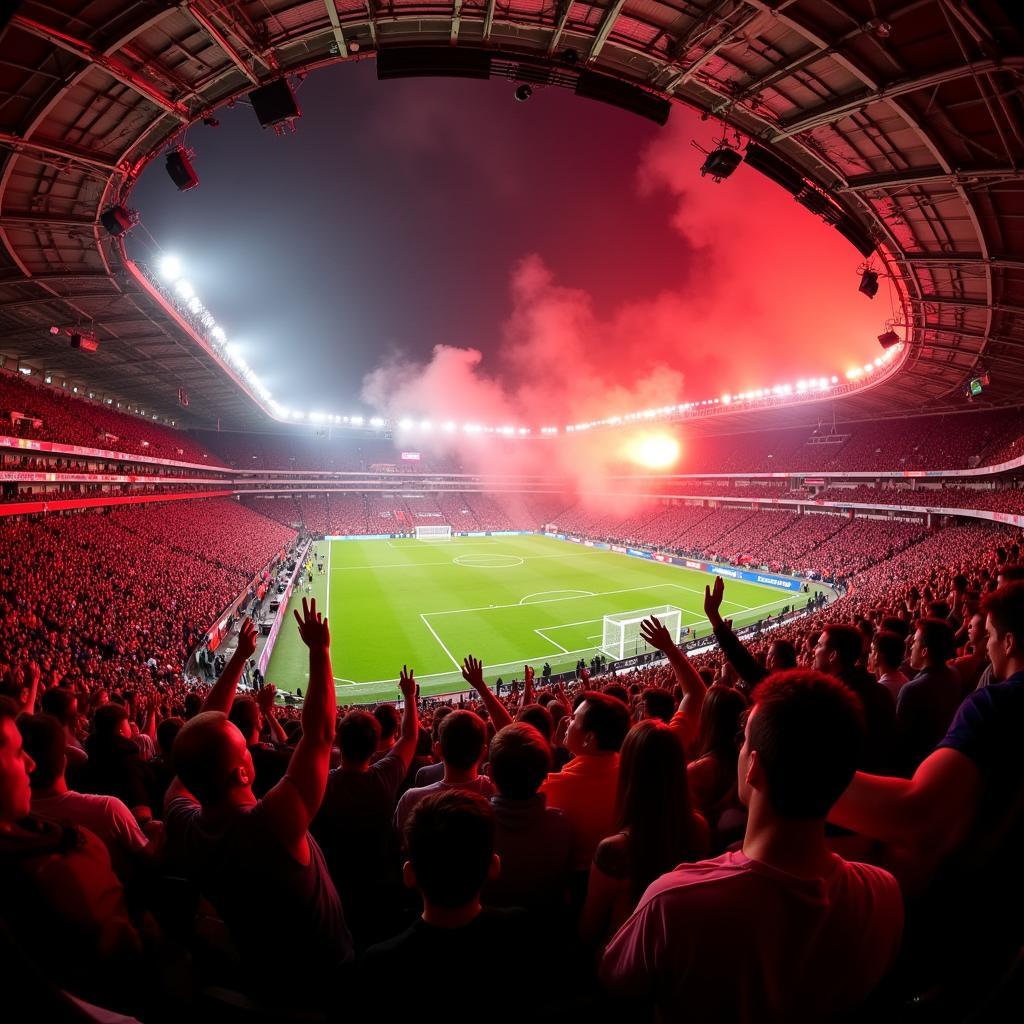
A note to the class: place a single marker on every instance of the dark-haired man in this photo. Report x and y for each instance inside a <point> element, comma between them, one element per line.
<point>585,788</point>
<point>354,823</point>
<point>449,837</point>
<point>927,703</point>
<point>838,653</point>
<point>255,859</point>
<point>784,929</point>
<point>462,739</point>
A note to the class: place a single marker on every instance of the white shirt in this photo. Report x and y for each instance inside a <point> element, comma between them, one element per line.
<point>105,816</point>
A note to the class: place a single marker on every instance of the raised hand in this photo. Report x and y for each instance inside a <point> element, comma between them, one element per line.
<point>246,640</point>
<point>313,626</point>
<point>713,601</point>
<point>265,698</point>
<point>473,673</point>
<point>656,635</point>
<point>407,683</point>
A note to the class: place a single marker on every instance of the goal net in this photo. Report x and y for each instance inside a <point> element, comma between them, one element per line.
<point>434,532</point>
<point>621,634</point>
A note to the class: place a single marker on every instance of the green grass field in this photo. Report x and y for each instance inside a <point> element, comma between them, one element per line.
<point>506,600</point>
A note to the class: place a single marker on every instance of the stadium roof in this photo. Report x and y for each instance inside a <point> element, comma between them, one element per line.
<point>906,118</point>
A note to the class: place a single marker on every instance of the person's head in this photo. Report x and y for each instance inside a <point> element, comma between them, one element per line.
<point>839,648</point>
<point>390,722</point>
<point>520,760</point>
<point>781,656</point>
<point>658,703</point>
<point>1012,572</point>
<point>539,717</point>
<point>166,733</point>
<point>212,758</point>
<point>894,624</point>
<point>462,739</point>
<point>719,722</point>
<point>246,715</point>
<point>15,767</point>
<point>449,838</point>
<point>976,635</point>
<point>44,741</point>
<point>61,704</point>
<point>653,801</point>
<point>1004,623</point>
<point>887,651</point>
<point>598,726</point>
<point>111,720</point>
<point>358,736</point>
<point>618,691</point>
<point>193,705</point>
<point>801,743</point>
<point>933,644</point>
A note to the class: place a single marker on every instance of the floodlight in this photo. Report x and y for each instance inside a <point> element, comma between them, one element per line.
<point>523,93</point>
<point>184,289</point>
<point>888,339</point>
<point>170,267</point>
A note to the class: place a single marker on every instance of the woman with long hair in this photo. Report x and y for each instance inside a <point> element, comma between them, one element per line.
<point>658,829</point>
<point>712,771</point>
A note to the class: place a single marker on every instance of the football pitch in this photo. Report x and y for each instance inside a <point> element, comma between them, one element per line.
<point>505,600</point>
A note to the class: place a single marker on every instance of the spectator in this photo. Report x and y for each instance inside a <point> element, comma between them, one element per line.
<point>658,703</point>
<point>431,773</point>
<point>927,703</point>
<point>115,767</point>
<point>533,840</point>
<point>449,837</point>
<point>105,816</point>
<point>887,653</point>
<point>354,822</point>
<point>58,893</point>
<point>387,716</point>
<point>585,788</point>
<point>711,773</point>
<point>62,705</point>
<point>269,760</point>
<point>838,653</point>
<point>657,829</point>
<point>974,660</point>
<point>254,859</point>
<point>462,740</point>
<point>784,929</point>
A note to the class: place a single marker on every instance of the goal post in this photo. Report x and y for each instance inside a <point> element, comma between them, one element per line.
<point>434,532</point>
<point>621,630</point>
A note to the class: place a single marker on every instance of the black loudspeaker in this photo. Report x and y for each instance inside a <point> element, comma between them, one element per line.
<point>620,94</point>
<point>771,166</point>
<point>432,61</point>
<point>117,220</point>
<point>274,103</point>
<point>180,170</point>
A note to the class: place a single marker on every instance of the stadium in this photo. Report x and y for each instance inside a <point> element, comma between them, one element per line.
<point>512,509</point>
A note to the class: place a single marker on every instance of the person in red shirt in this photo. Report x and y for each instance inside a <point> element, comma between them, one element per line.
<point>783,929</point>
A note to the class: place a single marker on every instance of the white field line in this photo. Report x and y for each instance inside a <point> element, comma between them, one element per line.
<point>541,593</point>
<point>440,641</point>
<point>327,599</point>
<point>540,632</point>
<point>448,561</point>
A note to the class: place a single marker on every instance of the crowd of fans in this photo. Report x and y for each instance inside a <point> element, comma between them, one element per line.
<point>819,821</point>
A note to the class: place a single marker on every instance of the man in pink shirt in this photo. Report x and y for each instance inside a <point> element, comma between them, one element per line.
<point>785,930</point>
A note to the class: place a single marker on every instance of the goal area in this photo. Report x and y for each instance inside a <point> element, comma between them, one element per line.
<point>434,532</point>
<point>621,630</point>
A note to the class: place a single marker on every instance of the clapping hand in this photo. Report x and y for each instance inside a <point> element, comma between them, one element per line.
<point>265,698</point>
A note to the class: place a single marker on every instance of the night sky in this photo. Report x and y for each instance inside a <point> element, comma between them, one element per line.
<point>574,246</point>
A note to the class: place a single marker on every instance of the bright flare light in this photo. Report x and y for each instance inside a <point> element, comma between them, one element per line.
<point>170,268</point>
<point>654,451</point>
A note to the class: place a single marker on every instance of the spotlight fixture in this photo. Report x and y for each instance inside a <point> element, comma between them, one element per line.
<point>720,163</point>
<point>211,122</point>
<point>869,283</point>
<point>353,46</point>
<point>523,92</point>
<point>85,340</point>
<point>888,339</point>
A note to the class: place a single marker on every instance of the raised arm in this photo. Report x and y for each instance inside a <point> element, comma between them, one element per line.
<point>405,748</point>
<point>292,804</point>
<point>473,673</point>
<point>265,699</point>
<point>223,692</point>
<point>658,637</point>
<point>733,648</point>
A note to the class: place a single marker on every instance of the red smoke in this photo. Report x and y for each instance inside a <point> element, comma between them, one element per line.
<point>766,294</point>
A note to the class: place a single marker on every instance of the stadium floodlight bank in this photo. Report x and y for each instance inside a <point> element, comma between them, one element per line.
<point>434,532</point>
<point>621,633</point>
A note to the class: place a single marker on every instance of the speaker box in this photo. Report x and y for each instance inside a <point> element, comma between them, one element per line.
<point>86,342</point>
<point>116,219</point>
<point>180,170</point>
<point>274,103</point>
<point>605,89</point>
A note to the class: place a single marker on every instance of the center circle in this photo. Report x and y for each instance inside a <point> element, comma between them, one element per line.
<point>488,561</point>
